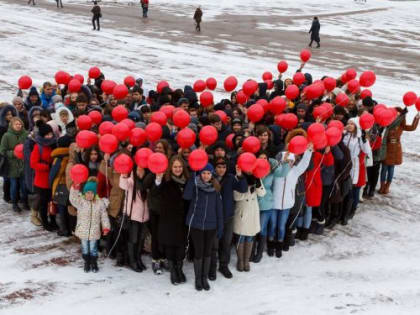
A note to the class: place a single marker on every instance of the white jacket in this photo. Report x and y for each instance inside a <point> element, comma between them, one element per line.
<point>285,187</point>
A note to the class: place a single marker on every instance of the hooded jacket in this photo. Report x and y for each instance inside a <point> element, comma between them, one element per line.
<point>56,117</point>
<point>4,124</point>
<point>8,143</point>
<point>28,104</point>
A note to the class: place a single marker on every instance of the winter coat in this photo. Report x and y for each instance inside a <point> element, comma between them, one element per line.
<point>57,176</point>
<point>28,104</point>
<point>90,216</point>
<point>40,161</point>
<point>206,209</point>
<point>172,230</point>
<point>198,15</point>
<point>8,143</point>
<point>231,183</point>
<point>393,141</point>
<point>246,221</point>
<point>137,209</point>
<point>356,145</point>
<point>96,11</point>
<point>47,101</point>
<point>313,180</point>
<point>4,125</point>
<point>342,167</point>
<point>29,173</point>
<point>116,196</point>
<point>362,170</point>
<point>314,31</point>
<point>277,170</point>
<point>285,187</point>
<point>56,117</point>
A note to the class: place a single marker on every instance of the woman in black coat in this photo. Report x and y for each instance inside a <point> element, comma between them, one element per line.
<point>314,31</point>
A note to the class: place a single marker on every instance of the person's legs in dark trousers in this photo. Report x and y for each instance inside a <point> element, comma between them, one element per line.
<point>62,221</point>
<point>355,192</point>
<point>310,44</point>
<point>373,176</point>
<point>95,23</point>
<point>346,208</point>
<point>197,27</point>
<point>157,256</point>
<point>14,183</point>
<point>6,189</point>
<point>133,245</point>
<point>44,198</point>
<point>23,193</point>
<point>197,237</point>
<point>225,248</point>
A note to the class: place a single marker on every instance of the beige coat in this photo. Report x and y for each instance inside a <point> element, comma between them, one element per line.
<point>247,212</point>
<point>90,216</point>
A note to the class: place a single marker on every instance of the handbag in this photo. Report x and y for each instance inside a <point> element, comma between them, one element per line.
<point>61,195</point>
<point>52,208</point>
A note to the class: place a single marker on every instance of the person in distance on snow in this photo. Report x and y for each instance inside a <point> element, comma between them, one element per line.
<point>145,7</point>
<point>96,11</point>
<point>59,3</point>
<point>197,17</point>
<point>314,31</point>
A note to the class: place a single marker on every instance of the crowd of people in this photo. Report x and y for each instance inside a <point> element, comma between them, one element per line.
<point>198,215</point>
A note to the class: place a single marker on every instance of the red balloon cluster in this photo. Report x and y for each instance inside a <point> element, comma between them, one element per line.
<point>292,92</point>
<point>137,137</point>
<point>129,81</point>
<point>365,93</point>
<point>79,77</point>
<point>142,157</point>
<point>107,86</point>
<point>206,99</point>
<point>367,78</point>
<point>168,110</point>
<point>120,91</point>
<point>181,118</point>
<point>418,104</point>
<point>18,151</point>
<point>267,76</point>
<point>337,124</point>
<point>316,134</point>
<point>105,128</point>
<point>330,84</point>
<point>409,98</point>
<point>74,86</point>
<point>62,77</point>
<point>305,55</point>
<point>261,169</point>
<point>366,121</point>
<point>250,87</point>
<point>119,113</point>
<point>161,85</point>
<point>246,162</point>
<point>185,138</point>
<point>278,105</point>
<point>159,117</point>
<point>96,117</point>
<point>199,86</point>
<point>211,83</point>
<point>342,99</point>
<point>157,163</point>
<point>229,141</point>
<point>241,97</point>
<point>153,131</point>
<point>255,113</point>
<point>298,78</point>
<point>121,131</point>
<point>222,115</point>
<point>84,122</point>
<point>334,136</point>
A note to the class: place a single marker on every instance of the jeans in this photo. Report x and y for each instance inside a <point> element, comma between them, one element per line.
<point>245,239</point>
<point>145,9</point>
<point>268,218</point>
<point>355,193</point>
<point>95,21</point>
<point>282,216</point>
<point>90,248</point>
<point>387,173</point>
<point>15,184</point>
<point>305,221</point>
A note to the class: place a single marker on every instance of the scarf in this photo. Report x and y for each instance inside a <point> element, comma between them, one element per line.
<point>207,187</point>
<point>179,180</point>
<point>45,142</point>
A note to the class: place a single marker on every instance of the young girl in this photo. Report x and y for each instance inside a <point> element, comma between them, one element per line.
<point>205,220</point>
<point>91,214</point>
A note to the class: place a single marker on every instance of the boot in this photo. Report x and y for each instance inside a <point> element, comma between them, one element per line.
<point>53,223</point>
<point>304,234</point>
<point>279,246</point>
<point>286,241</point>
<point>299,233</point>
<point>156,267</point>
<point>224,270</point>
<point>140,263</point>
<point>94,264</point>
<point>247,255</point>
<point>270,248</point>
<point>62,226</point>
<point>382,188</point>
<point>386,188</point>
<point>174,275</point>
<point>212,271</point>
<point>86,266</point>
<point>260,249</point>
<point>198,271</point>
<point>205,275</point>
<point>240,253</point>
<point>180,272</point>
<point>132,257</point>
<point>320,229</point>
<point>34,218</point>
<point>164,264</point>
<point>254,249</point>
<point>313,227</point>
<point>292,240</point>
<point>16,208</point>
<point>120,259</point>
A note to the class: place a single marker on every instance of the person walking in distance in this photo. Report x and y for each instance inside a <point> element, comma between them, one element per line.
<point>33,2</point>
<point>59,3</point>
<point>96,11</point>
<point>145,7</point>
<point>314,31</point>
<point>197,17</point>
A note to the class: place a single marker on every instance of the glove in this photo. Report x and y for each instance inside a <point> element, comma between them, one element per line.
<point>105,232</point>
<point>364,136</point>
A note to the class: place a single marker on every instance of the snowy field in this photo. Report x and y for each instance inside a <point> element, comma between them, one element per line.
<point>368,267</point>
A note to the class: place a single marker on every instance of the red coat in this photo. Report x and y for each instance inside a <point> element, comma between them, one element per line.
<point>313,180</point>
<point>41,166</point>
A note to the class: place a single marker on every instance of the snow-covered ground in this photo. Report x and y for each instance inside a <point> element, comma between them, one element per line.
<point>369,267</point>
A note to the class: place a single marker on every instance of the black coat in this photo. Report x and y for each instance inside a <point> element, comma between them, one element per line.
<point>314,31</point>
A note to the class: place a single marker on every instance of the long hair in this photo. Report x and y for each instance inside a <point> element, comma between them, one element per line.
<point>173,159</point>
<point>166,147</point>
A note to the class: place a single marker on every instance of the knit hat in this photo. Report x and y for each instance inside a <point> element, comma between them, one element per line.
<point>90,186</point>
<point>57,99</point>
<point>33,91</point>
<point>43,128</point>
<point>183,100</point>
<point>208,167</point>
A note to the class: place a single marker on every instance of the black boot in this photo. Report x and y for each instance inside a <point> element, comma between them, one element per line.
<point>198,271</point>
<point>270,248</point>
<point>279,247</point>
<point>180,272</point>
<point>132,257</point>
<point>120,259</point>
<point>292,240</point>
<point>224,270</point>
<point>304,234</point>
<point>313,227</point>
<point>260,249</point>
<point>320,229</point>
<point>86,266</point>
<point>298,234</point>
<point>140,263</point>
<point>174,275</point>
<point>205,275</point>
<point>94,263</point>
<point>212,271</point>
<point>16,208</point>
<point>53,223</point>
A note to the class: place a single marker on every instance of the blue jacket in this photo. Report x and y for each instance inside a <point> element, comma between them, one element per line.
<point>230,183</point>
<point>206,210</point>
<point>47,101</point>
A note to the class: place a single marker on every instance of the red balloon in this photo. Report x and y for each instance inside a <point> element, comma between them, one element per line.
<point>298,145</point>
<point>222,115</point>
<point>330,84</point>
<point>142,157</point>
<point>251,144</point>
<point>255,113</point>
<point>120,91</point>
<point>329,110</point>
<point>181,118</point>
<point>96,117</point>
<point>161,85</point>
<point>108,143</point>
<point>107,86</point>
<point>74,86</point>
<point>265,105</point>
<point>365,93</point>
<point>86,138</point>
<point>241,97</point>
<point>267,76</point>
<point>62,77</point>
<point>305,55</point>
<point>185,138</point>
<point>105,128</point>
<point>337,124</point>
<point>130,124</point>
<point>367,79</point>
<point>287,121</point>
<point>229,140</point>
<point>292,92</point>
<point>344,78</point>
<point>270,84</point>
<point>342,99</point>
<point>123,164</point>
<point>353,86</point>
<point>418,104</point>
<point>208,135</point>
<point>315,130</point>
<point>79,173</point>
<point>168,110</point>
<point>206,99</point>
<point>367,121</point>
<point>84,122</point>
<point>298,78</point>
<point>333,136</point>
<point>153,131</point>
<point>262,168</point>
<point>199,86</point>
<point>409,98</point>
<point>198,159</point>
<point>24,82</point>
<point>159,117</point>
<point>119,113</point>
<point>247,161</point>
<point>320,142</point>
<point>230,83</point>
<point>282,66</point>
<point>320,112</point>
<point>384,116</point>
<point>121,131</point>
<point>137,137</point>
<point>94,72</point>
<point>351,74</point>
<point>211,83</point>
<point>250,87</point>
<point>129,81</point>
<point>18,151</point>
<point>314,90</point>
<point>79,77</point>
